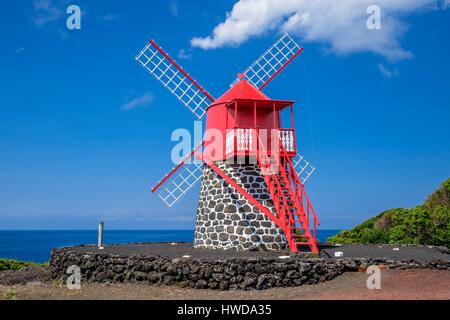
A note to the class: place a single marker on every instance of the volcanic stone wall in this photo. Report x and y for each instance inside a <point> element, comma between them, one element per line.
<point>226,220</point>
<point>227,274</point>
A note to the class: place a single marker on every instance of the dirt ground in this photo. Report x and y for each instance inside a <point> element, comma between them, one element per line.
<point>395,284</point>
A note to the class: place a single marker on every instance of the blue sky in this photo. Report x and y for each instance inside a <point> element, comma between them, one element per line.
<point>85,131</point>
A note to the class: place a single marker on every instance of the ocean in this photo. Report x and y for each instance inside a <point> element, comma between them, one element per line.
<point>36,245</point>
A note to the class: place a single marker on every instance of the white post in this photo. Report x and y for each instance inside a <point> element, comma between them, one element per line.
<point>100,235</point>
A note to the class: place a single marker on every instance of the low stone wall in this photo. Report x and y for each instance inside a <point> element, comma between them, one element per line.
<point>229,274</point>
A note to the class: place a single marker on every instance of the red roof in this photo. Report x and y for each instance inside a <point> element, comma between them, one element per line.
<point>242,90</point>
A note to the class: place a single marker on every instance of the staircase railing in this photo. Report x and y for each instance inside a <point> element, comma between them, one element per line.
<point>270,172</point>
<point>300,192</point>
<point>281,176</point>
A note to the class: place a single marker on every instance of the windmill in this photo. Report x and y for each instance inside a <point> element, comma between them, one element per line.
<point>252,192</point>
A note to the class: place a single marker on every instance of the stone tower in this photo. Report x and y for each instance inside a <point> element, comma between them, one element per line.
<point>226,220</point>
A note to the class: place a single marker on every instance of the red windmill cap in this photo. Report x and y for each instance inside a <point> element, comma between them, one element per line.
<point>242,90</point>
<point>241,75</point>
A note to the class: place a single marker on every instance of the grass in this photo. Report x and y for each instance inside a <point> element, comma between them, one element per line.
<point>58,283</point>
<point>10,294</point>
<point>10,264</point>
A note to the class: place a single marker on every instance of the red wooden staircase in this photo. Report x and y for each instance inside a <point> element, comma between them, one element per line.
<point>288,195</point>
<point>290,199</point>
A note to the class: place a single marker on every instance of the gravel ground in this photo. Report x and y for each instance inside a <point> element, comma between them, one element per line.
<point>394,252</point>
<point>395,284</point>
<point>419,253</point>
<point>25,275</point>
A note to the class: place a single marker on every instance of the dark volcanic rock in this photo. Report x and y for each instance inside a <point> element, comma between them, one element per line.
<point>233,270</point>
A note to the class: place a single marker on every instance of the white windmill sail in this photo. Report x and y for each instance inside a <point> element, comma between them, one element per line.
<point>303,167</point>
<point>153,58</point>
<point>181,178</point>
<point>180,183</point>
<point>271,62</point>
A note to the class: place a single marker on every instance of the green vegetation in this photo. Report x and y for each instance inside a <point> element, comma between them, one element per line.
<point>9,264</point>
<point>10,294</point>
<point>428,223</point>
<point>58,283</point>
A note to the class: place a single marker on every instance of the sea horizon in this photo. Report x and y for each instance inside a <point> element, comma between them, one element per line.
<point>36,245</point>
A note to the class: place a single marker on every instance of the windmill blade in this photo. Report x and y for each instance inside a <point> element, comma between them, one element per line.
<point>153,58</point>
<point>180,183</point>
<point>271,62</point>
<point>303,167</point>
<point>180,179</point>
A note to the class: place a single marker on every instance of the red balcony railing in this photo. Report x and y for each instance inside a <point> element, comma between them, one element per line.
<point>244,141</point>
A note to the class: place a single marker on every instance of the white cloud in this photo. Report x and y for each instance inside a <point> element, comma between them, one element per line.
<point>137,102</point>
<point>339,24</point>
<point>385,71</point>
<point>45,12</point>
<point>185,54</point>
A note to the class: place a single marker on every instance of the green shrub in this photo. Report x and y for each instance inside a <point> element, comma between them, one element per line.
<point>10,264</point>
<point>428,223</point>
<point>10,294</point>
